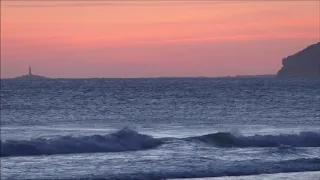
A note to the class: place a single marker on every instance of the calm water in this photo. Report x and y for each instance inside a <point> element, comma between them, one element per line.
<point>158,128</point>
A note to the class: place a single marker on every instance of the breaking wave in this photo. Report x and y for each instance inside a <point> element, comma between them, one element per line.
<point>130,140</point>
<point>122,140</point>
<point>224,139</point>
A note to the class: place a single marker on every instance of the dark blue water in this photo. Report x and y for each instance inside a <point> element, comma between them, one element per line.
<point>158,128</point>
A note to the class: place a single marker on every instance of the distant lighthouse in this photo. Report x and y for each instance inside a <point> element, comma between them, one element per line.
<point>30,76</point>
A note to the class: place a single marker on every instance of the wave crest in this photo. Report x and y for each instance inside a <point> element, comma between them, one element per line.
<point>224,139</point>
<point>122,140</point>
<point>130,140</point>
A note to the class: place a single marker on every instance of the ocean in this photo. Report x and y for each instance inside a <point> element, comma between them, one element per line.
<point>160,128</point>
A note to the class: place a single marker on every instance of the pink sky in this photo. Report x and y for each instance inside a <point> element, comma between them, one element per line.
<point>77,39</point>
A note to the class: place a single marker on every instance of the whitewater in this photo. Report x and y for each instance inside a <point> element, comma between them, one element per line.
<point>165,128</point>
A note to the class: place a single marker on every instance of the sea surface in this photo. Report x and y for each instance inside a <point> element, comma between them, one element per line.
<point>160,128</point>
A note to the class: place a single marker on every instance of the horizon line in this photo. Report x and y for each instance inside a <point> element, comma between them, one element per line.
<point>156,77</point>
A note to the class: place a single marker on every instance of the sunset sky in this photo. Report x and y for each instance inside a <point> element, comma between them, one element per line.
<point>79,39</point>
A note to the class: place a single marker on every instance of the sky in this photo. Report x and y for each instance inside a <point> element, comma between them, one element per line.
<point>155,38</point>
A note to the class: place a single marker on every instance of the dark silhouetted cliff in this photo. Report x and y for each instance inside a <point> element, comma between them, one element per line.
<point>305,63</point>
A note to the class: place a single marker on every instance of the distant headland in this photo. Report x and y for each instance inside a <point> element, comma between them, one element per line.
<point>30,76</point>
<point>305,63</point>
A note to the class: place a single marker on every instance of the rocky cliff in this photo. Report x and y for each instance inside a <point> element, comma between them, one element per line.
<point>305,63</point>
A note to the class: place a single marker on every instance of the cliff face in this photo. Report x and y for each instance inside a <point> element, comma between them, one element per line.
<point>305,63</point>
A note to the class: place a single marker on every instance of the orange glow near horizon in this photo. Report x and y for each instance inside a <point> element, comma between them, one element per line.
<point>153,38</point>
